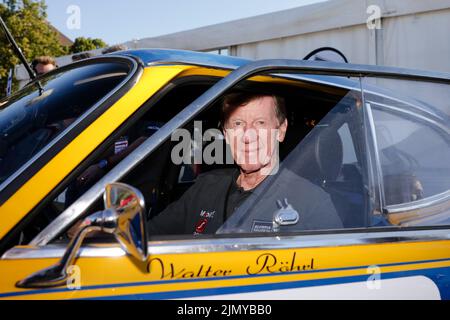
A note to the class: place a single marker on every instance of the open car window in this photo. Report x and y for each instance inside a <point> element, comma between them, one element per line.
<point>321,177</point>
<point>319,185</point>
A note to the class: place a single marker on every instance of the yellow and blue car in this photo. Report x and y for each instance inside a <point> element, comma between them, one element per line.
<point>87,156</point>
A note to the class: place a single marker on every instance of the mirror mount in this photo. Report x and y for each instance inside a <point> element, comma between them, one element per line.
<point>123,217</point>
<point>56,275</point>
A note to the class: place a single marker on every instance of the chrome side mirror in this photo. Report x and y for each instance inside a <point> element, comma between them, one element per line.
<point>129,226</point>
<point>123,216</point>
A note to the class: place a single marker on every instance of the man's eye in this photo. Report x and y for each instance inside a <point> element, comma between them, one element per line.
<point>238,123</point>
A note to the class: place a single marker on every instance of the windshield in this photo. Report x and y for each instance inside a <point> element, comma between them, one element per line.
<point>34,117</point>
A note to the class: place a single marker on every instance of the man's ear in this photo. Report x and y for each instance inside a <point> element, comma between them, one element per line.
<point>282,130</point>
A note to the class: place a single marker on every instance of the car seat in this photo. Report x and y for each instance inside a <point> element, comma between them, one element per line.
<point>319,158</point>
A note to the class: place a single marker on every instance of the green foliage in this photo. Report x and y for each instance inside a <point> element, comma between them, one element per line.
<point>26,20</point>
<point>86,44</point>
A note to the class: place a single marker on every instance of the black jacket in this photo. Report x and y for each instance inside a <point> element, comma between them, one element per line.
<point>202,208</point>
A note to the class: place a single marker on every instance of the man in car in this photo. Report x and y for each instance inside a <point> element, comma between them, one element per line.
<point>253,125</point>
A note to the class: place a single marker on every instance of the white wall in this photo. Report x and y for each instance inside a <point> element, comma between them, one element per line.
<point>417,41</point>
<point>353,42</point>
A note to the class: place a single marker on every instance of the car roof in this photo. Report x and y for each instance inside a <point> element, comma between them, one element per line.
<point>172,56</point>
<point>149,56</point>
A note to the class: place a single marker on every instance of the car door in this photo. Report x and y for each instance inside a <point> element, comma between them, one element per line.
<point>337,162</point>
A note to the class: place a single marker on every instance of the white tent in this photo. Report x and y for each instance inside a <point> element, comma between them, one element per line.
<point>412,33</point>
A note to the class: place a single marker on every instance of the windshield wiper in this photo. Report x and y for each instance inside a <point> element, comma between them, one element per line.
<point>20,55</point>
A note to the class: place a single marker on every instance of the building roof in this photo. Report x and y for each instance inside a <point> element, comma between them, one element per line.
<point>63,39</point>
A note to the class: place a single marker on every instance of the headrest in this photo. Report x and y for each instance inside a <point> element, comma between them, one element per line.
<point>318,157</point>
<point>328,152</point>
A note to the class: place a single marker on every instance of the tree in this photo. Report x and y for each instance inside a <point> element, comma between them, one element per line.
<point>86,44</point>
<point>27,23</point>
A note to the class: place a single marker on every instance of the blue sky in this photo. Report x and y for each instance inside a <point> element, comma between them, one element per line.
<point>121,21</point>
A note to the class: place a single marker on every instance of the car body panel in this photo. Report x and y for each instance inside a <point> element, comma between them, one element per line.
<point>187,275</point>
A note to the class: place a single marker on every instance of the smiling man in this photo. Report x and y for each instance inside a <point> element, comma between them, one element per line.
<point>253,126</point>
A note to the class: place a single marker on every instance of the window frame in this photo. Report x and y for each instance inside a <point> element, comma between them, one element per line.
<point>211,96</point>
<point>395,212</point>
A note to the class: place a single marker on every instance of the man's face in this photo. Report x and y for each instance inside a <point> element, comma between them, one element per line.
<point>253,133</point>
<point>44,68</point>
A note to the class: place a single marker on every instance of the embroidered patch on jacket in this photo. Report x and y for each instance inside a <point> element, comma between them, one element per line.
<point>205,216</point>
<point>201,225</point>
<point>261,226</point>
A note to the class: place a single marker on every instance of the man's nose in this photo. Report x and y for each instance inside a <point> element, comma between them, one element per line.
<point>250,135</point>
